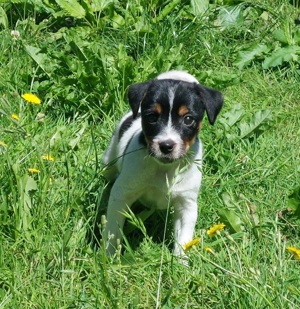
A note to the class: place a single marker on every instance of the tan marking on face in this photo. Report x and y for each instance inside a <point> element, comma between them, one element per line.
<point>183,110</point>
<point>200,126</point>
<point>158,108</point>
<point>189,143</point>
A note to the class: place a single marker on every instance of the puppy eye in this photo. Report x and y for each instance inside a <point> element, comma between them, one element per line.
<point>152,118</point>
<point>188,121</point>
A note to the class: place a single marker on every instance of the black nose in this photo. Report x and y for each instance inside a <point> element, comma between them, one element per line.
<point>166,146</point>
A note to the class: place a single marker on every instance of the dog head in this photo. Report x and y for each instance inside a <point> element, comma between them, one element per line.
<point>172,108</point>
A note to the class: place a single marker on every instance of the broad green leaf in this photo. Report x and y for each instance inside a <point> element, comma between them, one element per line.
<point>294,201</point>
<point>73,143</point>
<point>231,16</point>
<point>284,54</point>
<point>118,21</point>
<point>233,116</point>
<point>279,35</point>
<point>26,186</point>
<point>72,7</point>
<point>57,136</point>
<point>100,5</point>
<point>89,13</point>
<point>256,121</point>
<point>297,36</point>
<point>199,7</point>
<point>224,78</point>
<point>232,221</point>
<point>39,58</point>
<point>3,18</point>
<point>142,25</point>
<point>227,199</point>
<point>30,184</point>
<point>166,10</point>
<point>246,56</point>
<point>231,2</point>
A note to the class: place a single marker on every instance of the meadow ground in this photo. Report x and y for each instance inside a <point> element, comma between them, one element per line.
<point>79,59</point>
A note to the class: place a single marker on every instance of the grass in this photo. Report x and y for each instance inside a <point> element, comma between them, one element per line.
<point>81,68</point>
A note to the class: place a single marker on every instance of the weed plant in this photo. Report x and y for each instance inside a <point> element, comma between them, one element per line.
<point>79,58</point>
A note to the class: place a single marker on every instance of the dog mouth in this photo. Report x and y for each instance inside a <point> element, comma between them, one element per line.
<point>167,156</point>
<point>165,160</point>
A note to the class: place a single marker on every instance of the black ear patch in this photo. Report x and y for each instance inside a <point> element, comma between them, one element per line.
<point>212,100</point>
<point>136,93</point>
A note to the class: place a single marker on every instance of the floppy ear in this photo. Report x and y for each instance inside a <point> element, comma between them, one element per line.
<point>136,93</point>
<point>212,100</point>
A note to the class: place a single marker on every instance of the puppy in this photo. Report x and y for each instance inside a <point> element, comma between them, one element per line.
<point>155,155</point>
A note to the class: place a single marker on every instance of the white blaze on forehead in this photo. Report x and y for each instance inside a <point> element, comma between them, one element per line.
<point>178,75</point>
<point>168,133</point>
<point>171,96</point>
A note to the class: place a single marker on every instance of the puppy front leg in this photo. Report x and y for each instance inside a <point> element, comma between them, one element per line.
<point>114,225</point>
<point>184,225</point>
<point>118,202</point>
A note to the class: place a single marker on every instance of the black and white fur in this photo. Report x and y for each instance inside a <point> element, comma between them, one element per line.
<point>155,155</point>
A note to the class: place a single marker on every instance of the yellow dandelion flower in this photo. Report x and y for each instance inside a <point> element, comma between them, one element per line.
<point>215,229</point>
<point>3,144</point>
<point>15,116</point>
<point>48,157</point>
<point>33,170</point>
<point>31,98</point>
<point>210,250</point>
<point>191,243</point>
<point>295,252</point>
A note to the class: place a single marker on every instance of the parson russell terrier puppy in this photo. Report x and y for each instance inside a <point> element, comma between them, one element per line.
<point>155,155</point>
